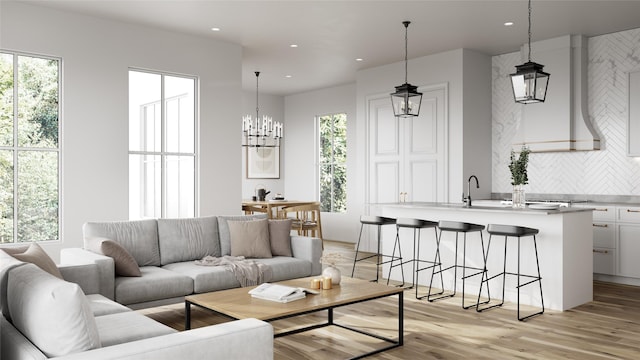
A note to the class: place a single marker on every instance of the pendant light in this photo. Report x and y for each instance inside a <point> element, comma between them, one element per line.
<point>260,132</point>
<point>406,100</point>
<point>529,82</point>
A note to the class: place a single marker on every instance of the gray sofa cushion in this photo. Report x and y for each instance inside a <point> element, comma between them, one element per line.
<point>286,268</point>
<point>205,278</point>
<point>100,305</point>
<point>223,228</point>
<point>7,262</point>
<point>129,326</point>
<point>52,313</point>
<point>139,238</point>
<point>155,283</point>
<point>188,239</point>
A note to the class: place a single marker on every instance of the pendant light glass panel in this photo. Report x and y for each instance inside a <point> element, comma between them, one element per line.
<point>406,101</point>
<point>529,83</point>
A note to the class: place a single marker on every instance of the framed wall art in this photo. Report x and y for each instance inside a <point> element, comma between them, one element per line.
<point>263,162</point>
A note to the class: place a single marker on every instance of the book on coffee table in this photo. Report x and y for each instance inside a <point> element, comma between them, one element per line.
<point>279,293</point>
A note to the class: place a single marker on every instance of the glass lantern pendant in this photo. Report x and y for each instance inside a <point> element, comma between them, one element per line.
<point>529,82</point>
<point>406,100</point>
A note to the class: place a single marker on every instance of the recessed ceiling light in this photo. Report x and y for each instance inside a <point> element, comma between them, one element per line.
<point>288,76</point>
<point>508,23</point>
<point>359,59</point>
<point>293,45</point>
<point>215,29</point>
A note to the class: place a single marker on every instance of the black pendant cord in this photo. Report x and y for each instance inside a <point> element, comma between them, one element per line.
<point>257,75</point>
<point>406,51</point>
<point>529,30</point>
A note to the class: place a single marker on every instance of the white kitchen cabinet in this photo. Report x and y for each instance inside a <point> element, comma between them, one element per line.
<point>628,234</point>
<point>604,238</point>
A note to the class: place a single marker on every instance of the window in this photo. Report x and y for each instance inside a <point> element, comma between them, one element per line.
<point>333,162</point>
<point>162,145</point>
<point>29,147</point>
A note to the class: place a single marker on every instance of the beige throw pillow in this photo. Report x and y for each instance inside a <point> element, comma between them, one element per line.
<point>125,264</point>
<point>36,255</point>
<point>250,238</point>
<point>280,237</point>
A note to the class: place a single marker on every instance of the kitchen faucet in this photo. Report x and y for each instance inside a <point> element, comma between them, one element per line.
<point>467,199</point>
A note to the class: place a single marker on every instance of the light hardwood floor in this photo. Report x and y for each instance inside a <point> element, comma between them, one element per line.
<point>607,328</point>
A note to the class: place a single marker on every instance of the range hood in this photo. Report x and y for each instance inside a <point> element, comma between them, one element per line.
<point>562,122</point>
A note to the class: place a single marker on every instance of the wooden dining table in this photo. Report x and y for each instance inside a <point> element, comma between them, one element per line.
<point>272,207</point>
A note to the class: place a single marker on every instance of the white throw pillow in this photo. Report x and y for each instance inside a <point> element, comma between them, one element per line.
<point>52,313</point>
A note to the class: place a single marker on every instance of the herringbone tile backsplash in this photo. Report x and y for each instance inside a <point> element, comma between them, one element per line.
<point>606,172</point>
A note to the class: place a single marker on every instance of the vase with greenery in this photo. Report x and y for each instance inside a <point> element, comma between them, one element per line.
<point>519,178</point>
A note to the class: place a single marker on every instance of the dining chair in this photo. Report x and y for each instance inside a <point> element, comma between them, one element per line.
<point>306,219</point>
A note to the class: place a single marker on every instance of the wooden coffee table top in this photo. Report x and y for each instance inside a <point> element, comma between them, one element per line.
<point>238,303</point>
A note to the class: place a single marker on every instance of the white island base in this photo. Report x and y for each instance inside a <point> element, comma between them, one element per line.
<point>565,245</point>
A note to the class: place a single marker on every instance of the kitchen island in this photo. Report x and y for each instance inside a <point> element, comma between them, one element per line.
<point>565,248</point>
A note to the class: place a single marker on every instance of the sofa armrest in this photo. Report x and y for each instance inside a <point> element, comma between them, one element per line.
<point>85,275</point>
<point>308,248</point>
<point>222,341</point>
<point>104,264</point>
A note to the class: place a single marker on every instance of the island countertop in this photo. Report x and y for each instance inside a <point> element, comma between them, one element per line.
<point>484,206</point>
<point>564,243</point>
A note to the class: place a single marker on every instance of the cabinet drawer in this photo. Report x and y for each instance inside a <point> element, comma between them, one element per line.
<point>604,213</point>
<point>604,235</point>
<point>629,214</point>
<point>604,261</point>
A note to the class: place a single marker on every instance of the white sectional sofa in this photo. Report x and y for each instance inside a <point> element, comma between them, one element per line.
<point>45,317</point>
<point>166,250</point>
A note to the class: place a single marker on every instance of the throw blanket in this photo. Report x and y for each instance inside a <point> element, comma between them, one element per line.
<point>247,272</point>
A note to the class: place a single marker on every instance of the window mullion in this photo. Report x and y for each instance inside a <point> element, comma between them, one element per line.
<point>163,173</point>
<point>15,148</point>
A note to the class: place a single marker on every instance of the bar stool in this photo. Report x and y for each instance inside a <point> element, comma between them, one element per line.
<point>378,221</point>
<point>514,232</point>
<point>457,228</point>
<point>416,225</point>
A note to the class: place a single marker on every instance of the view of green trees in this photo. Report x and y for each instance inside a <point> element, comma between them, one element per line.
<point>333,163</point>
<point>33,180</point>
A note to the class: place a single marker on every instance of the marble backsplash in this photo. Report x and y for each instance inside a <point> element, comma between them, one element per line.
<point>608,175</point>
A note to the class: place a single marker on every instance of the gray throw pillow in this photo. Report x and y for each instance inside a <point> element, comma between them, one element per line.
<point>280,237</point>
<point>250,238</point>
<point>52,313</point>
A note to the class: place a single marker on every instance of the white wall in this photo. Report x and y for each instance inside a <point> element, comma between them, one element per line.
<point>301,172</point>
<point>270,105</point>
<point>96,57</point>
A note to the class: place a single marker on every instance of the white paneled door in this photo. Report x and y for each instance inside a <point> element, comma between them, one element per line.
<point>407,156</point>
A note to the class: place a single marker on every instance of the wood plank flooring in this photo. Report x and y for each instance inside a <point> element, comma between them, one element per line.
<point>606,328</point>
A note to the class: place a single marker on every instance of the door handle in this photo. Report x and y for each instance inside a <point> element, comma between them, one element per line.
<point>600,251</point>
<point>633,211</point>
<point>601,225</point>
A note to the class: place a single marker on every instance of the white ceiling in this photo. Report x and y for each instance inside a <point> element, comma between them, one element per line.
<point>332,34</point>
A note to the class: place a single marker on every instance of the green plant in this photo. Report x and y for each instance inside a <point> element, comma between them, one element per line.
<point>518,167</point>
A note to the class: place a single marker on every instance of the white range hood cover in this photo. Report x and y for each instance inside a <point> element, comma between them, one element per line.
<point>562,122</point>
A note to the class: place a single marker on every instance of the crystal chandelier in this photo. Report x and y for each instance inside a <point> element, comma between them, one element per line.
<point>260,132</point>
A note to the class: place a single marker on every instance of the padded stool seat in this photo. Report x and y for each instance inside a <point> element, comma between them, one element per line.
<point>510,230</point>
<point>378,221</point>
<point>513,232</point>
<point>464,228</point>
<point>416,225</point>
